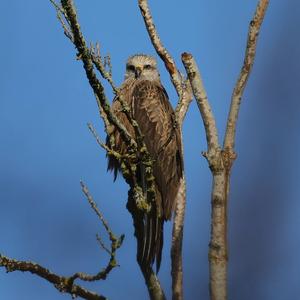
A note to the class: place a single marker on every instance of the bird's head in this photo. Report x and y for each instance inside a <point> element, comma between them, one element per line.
<point>141,66</point>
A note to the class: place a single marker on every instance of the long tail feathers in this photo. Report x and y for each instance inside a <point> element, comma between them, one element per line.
<point>159,242</point>
<point>150,244</point>
<point>150,233</point>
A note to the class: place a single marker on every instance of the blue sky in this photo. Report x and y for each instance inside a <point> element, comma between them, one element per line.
<point>46,148</point>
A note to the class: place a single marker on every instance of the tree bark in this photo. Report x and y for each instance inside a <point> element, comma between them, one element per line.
<point>154,288</point>
<point>177,238</point>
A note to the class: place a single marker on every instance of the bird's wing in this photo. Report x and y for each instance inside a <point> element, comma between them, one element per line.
<point>155,116</point>
<point>119,145</point>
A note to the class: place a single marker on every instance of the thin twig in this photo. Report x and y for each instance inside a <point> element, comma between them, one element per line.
<point>108,64</point>
<point>100,65</point>
<point>102,244</point>
<point>97,211</point>
<point>62,17</point>
<point>253,33</point>
<point>60,10</point>
<point>108,150</point>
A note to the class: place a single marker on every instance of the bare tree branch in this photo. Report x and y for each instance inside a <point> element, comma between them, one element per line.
<point>253,33</point>
<point>220,161</point>
<point>98,140</point>
<point>155,289</point>
<point>202,101</point>
<point>177,239</point>
<point>218,244</point>
<point>108,150</point>
<point>102,244</point>
<point>91,201</point>
<point>62,284</point>
<point>67,284</point>
<point>62,17</point>
<point>100,65</point>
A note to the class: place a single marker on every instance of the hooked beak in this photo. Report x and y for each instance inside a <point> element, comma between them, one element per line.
<point>137,72</point>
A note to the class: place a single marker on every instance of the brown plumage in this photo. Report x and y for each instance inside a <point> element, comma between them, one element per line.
<point>150,107</point>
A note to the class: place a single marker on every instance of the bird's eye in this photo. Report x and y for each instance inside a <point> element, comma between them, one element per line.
<point>130,68</point>
<point>147,67</point>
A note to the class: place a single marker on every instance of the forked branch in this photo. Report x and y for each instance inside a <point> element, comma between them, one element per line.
<point>221,161</point>
<point>66,284</point>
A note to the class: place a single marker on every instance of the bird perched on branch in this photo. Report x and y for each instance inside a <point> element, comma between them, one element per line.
<point>148,104</point>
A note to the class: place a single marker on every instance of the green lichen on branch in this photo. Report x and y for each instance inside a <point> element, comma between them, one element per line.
<point>61,283</point>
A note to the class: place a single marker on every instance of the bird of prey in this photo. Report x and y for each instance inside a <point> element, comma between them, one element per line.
<point>149,106</point>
